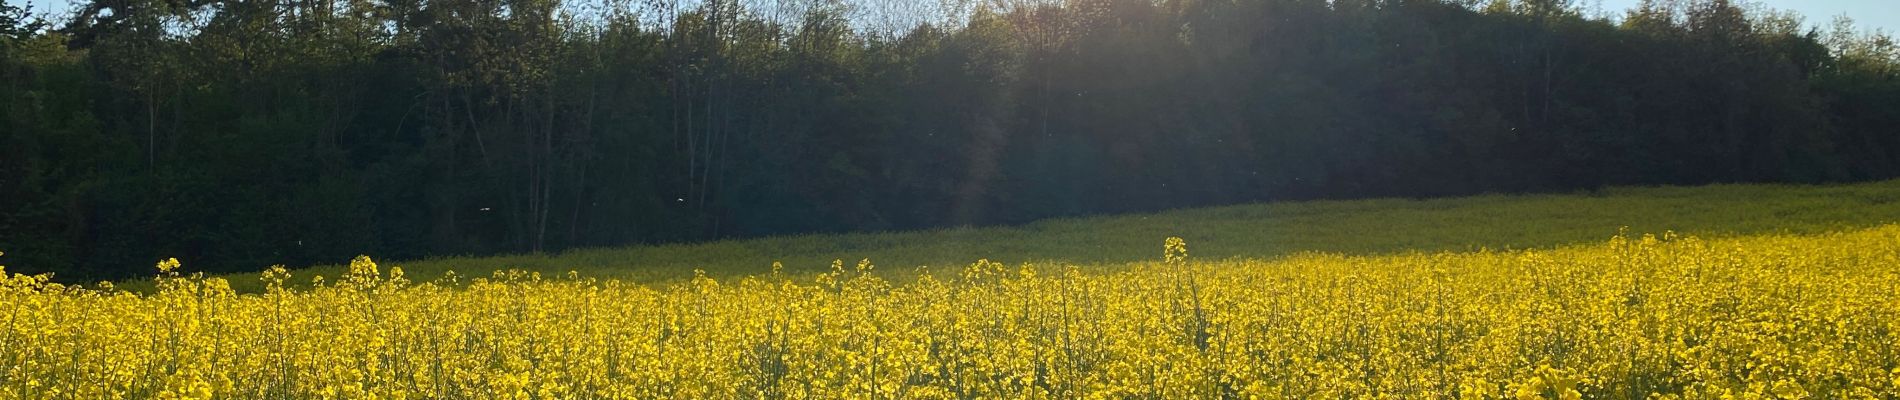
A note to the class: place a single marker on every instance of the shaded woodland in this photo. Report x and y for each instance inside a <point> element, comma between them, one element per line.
<point>239,134</point>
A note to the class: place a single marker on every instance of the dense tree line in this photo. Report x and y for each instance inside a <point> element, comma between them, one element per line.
<point>238,134</point>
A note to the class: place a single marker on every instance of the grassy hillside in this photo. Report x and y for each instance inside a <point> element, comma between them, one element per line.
<point>1243,231</point>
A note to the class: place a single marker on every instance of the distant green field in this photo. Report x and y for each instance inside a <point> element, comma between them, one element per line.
<point>1244,231</point>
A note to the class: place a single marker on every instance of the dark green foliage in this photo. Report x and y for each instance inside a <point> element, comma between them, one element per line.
<point>238,134</point>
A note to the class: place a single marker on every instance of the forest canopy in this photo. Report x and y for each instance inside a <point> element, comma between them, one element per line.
<point>237,134</point>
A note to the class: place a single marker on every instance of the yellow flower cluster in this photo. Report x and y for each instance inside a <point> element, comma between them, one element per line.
<point>1634,318</point>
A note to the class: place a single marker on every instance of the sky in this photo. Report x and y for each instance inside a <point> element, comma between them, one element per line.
<point>1868,14</point>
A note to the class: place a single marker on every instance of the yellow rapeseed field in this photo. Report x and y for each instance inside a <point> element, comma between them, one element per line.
<point>1775,316</point>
